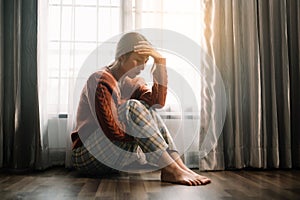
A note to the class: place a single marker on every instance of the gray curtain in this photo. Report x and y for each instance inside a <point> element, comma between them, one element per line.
<point>255,44</point>
<point>19,116</point>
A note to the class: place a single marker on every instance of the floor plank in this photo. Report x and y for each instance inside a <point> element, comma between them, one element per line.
<point>60,183</point>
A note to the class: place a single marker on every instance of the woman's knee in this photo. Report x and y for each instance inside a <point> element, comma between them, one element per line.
<point>132,108</point>
<point>135,115</point>
<point>133,103</point>
<point>138,111</point>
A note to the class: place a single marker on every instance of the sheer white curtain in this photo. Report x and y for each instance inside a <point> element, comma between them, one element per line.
<point>70,30</point>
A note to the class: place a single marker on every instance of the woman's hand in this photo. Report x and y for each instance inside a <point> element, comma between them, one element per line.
<point>159,73</point>
<point>144,48</point>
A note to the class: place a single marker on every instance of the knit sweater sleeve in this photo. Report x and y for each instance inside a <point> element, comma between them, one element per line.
<point>106,111</point>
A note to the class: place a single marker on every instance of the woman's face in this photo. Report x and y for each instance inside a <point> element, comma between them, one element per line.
<point>134,64</point>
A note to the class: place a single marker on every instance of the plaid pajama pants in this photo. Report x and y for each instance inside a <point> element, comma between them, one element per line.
<point>99,155</point>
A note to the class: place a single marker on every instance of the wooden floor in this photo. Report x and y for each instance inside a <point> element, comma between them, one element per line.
<point>60,183</point>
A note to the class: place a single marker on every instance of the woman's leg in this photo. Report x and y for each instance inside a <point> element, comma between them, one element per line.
<point>172,149</point>
<point>155,140</point>
<point>87,164</point>
<point>140,124</point>
<point>163,130</point>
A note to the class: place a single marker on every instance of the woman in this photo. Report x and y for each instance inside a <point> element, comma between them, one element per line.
<point>120,105</point>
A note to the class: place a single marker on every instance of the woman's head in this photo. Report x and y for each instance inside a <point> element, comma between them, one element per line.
<point>127,42</point>
<point>130,62</point>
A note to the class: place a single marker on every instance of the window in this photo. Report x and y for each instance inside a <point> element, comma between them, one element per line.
<point>76,27</point>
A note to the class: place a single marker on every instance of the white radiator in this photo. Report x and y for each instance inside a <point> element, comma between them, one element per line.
<point>57,132</point>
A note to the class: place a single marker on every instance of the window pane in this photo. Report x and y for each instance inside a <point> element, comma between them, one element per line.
<point>153,5</point>
<point>189,83</point>
<point>54,23</point>
<point>178,6</point>
<point>67,59</point>
<point>109,23</point>
<point>86,2</point>
<point>67,32</point>
<point>151,20</point>
<point>186,24</point>
<point>64,95</point>
<point>53,59</point>
<point>67,2</point>
<point>53,91</point>
<point>109,2</point>
<point>54,1</point>
<point>82,51</point>
<point>85,23</point>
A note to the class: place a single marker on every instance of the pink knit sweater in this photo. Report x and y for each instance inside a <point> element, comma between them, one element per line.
<point>101,97</point>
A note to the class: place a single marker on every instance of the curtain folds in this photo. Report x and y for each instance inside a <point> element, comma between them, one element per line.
<point>19,126</point>
<point>255,45</point>
<point>1,78</point>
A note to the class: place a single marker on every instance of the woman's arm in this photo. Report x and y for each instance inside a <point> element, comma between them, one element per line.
<point>106,111</point>
<point>157,95</point>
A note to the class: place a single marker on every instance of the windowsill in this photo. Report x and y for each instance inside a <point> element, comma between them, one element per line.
<point>179,115</point>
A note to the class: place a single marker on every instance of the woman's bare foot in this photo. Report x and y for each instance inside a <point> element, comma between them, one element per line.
<point>175,171</point>
<point>204,180</point>
<point>178,176</point>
